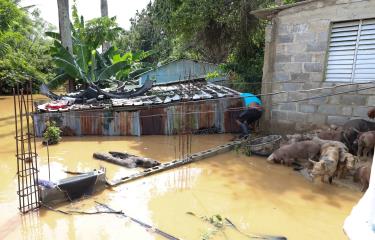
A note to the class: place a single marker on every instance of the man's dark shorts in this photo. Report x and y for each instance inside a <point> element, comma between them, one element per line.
<point>250,115</point>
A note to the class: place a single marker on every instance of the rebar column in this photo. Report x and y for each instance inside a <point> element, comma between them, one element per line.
<point>26,156</point>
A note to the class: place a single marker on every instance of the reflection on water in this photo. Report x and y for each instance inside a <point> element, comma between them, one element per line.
<point>256,196</point>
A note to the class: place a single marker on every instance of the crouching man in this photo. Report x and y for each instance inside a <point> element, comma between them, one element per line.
<point>253,111</point>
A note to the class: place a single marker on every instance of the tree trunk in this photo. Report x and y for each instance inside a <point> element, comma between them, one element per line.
<point>65,32</point>
<point>104,12</point>
<point>104,8</point>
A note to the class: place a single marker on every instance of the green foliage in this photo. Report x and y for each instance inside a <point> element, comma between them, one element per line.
<point>217,31</point>
<point>52,133</point>
<point>145,35</point>
<point>289,1</point>
<point>212,75</point>
<point>87,65</point>
<point>22,47</point>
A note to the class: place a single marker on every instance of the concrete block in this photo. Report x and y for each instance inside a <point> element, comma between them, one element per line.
<point>279,115</point>
<point>281,76</point>
<point>280,98</point>
<point>347,111</point>
<point>288,38</point>
<point>333,99</point>
<point>300,76</point>
<point>300,28</point>
<point>305,37</point>
<point>297,116</point>
<point>318,101</point>
<point>311,85</point>
<point>319,57</point>
<point>295,48</point>
<point>282,58</point>
<point>285,28</point>
<point>292,86</point>
<point>277,86</point>
<point>288,67</point>
<point>337,120</point>
<point>289,107</point>
<point>329,109</point>
<point>317,46</point>
<point>353,100</point>
<point>313,67</point>
<point>328,84</point>
<point>297,96</point>
<point>323,36</point>
<point>325,91</point>
<point>306,108</point>
<point>360,111</point>
<point>316,77</point>
<point>346,88</point>
<point>369,91</point>
<point>304,57</point>
<point>317,118</point>
<point>371,101</point>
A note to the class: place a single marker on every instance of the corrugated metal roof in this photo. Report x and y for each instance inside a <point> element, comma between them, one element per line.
<point>178,92</point>
<point>160,94</point>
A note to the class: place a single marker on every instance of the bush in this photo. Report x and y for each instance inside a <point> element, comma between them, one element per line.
<point>51,134</point>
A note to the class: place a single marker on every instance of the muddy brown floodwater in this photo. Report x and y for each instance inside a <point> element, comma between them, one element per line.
<point>257,197</point>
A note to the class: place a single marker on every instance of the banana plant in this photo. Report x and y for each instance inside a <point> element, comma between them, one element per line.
<point>87,66</point>
<point>90,66</point>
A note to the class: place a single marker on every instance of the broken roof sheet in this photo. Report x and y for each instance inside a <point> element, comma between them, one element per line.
<point>158,94</point>
<point>187,91</point>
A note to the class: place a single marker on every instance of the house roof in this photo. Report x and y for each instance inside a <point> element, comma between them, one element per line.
<point>178,92</point>
<point>268,13</point>
<point>184,91</point>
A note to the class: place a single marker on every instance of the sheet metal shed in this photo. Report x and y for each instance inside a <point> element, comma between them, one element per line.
<point>180,70</point>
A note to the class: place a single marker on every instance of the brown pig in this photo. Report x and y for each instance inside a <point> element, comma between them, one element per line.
<point>371,113</point>
<point>362,175</point>
<point>327,164</point>
<point>302,151</point>
<point>347,163</point>
<point>366,143</point>
<point>334,135</point>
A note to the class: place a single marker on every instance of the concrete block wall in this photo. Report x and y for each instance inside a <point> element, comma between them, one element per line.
<point>296,60</point>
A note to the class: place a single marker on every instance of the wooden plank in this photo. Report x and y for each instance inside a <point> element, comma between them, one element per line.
<point>177,163</point>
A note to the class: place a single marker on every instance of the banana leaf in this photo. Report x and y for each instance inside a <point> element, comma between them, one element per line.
<point>53,35</point>
<point>112,70</point>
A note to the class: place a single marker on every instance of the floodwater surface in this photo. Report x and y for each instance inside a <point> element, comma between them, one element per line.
<point>257,197</point>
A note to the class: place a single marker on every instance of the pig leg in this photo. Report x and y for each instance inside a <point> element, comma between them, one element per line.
<point>322,178</point>
<point>360,149</point>
<point>330,179</point>
<point>365,153</point>
<point>364,186</point>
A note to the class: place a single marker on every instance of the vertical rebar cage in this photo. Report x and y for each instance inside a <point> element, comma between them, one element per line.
<point>27,165</point>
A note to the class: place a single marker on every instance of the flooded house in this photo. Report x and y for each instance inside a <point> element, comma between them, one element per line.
<point>165,109</point>
<point>326,45</point>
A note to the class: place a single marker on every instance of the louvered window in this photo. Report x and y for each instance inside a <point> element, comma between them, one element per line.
<point>351,56</point>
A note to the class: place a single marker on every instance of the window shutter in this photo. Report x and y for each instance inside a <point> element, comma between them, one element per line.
<point>365,62</point>
<point>342,51</point>
<point>351,56</point>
